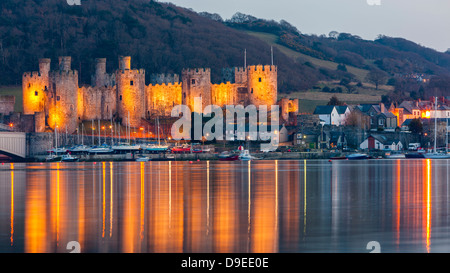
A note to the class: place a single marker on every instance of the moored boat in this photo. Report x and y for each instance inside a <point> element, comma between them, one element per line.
<point>357,157</point>
<point>69,158</point>
<point>226,156</point>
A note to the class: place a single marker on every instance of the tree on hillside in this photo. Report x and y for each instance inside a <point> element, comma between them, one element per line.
<point>335,101</point>
<point>377,77</point>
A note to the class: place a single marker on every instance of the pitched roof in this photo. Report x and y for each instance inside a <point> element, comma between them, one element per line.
<point>389,115</point>
<point>385,139</point>
<point>324,109</point>
<point>341,109</point>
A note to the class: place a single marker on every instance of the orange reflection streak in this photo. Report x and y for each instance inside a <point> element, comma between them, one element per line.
<point>397,202</point>
<point>142,201</point>
<point>428,203</point>
<point>224,217</point>
<point>81,212</point>
<point>12,204</point>
<point>35,236</point>
<point>103,199</point>
<point>276,202</point>
<point>111,199</point>
<point>264,236</point>
<point>57,204</point>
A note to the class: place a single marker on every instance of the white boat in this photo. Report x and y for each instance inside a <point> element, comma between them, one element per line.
<point>395,156</point>
<point>69,158</point>
<point>245,155</point>
<point>357,157</point>
<point>437,155</point>
<point>104,149</point>
<point>153,148</point>
<point>53,158</point>
<point>125,147</point>
<point>80,149</point>
<point>143,159</point>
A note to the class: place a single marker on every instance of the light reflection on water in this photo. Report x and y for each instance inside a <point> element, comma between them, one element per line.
<point>257,206</point>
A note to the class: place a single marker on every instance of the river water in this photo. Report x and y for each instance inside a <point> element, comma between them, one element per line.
<point>226,207</point>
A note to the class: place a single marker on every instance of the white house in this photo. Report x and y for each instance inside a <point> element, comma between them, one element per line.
<point>381,142</point>
<point>332,115</point>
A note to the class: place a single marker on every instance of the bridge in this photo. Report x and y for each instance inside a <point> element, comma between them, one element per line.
<point>13,144</point>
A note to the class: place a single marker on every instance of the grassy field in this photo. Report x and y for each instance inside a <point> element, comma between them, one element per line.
<point>15,91</point>
<point>271,39</point>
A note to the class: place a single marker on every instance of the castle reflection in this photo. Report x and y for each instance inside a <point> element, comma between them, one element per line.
<point>224,207</point>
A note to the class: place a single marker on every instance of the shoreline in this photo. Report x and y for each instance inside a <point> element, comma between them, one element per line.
<point>199,156</point>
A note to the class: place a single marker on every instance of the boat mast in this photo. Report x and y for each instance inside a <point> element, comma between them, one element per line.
<point>99,129</point>
<point>435,123</point>
<point>92,133</point>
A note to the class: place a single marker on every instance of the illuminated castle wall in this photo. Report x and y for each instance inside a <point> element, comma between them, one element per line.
<point>124,95</point>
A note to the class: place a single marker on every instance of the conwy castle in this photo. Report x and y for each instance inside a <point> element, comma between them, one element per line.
<point>56,99</point>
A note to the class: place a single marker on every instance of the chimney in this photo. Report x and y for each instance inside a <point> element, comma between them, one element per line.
<point>382,108</point>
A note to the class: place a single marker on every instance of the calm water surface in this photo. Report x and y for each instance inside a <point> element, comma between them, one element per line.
<point>257,206</point>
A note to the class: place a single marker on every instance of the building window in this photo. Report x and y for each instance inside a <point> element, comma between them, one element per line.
<point>260,79</point>
<point>381,122</point>
<point>252,90</point>
<point>131,83</point>
<point>45,88</point>
<point>36,93</point>
<point>58,98</point>
<point>120,97</point>
<point>193,81</point>
<point>29,85</point>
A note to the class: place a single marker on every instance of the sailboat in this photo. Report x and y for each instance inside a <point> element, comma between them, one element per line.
<point>152,148</point>
<point>126,146</point>
<point>81,148</point>
<point>55,153</point>
<point>435,154</point>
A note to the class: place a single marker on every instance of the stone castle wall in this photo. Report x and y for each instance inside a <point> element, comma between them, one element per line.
<point>124,94</point>
<point>161,98</point>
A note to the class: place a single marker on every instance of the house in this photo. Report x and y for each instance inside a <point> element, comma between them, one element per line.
<point>308,139</point>
<point>337,140</point>
<point>385,121</point>
<point>332,114</point>
<point>343,112</point>
<point>381,142</point>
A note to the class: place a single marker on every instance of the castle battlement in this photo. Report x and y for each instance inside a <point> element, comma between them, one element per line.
<point>131,71</point>
<point>240,69</point>
<point>177,84</point>
<point>262,68</point>
<point>31,75</point>
<point>222,84</point>
<point>69,73</point>
<point>196,71</point>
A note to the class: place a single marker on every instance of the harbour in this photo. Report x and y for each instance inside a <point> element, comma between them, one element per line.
<point>262,206</point>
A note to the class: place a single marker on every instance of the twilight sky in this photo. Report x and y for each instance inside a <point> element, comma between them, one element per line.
<point>426,22</point>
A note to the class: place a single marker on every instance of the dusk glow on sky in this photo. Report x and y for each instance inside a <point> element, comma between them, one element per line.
<point>423,22</point>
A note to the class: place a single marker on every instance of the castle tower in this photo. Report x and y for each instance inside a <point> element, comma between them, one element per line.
<point>288,107</point>
<point>63,97</point>
<point>100,72</point>
<point>196,83</point>
<point>240,75</point>
<point>65,63</point>
<point>262,85</point>
<point>130,93</point>
<point>34,88</point>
